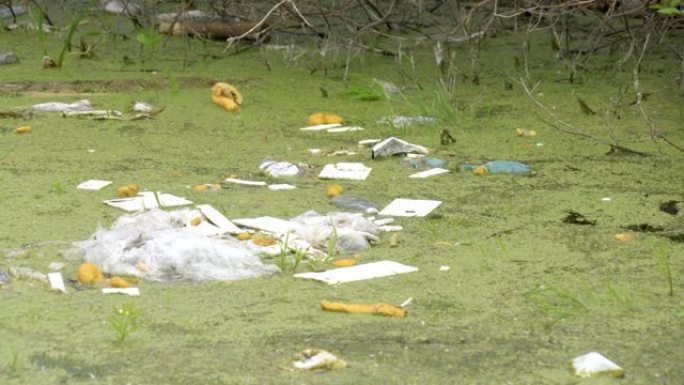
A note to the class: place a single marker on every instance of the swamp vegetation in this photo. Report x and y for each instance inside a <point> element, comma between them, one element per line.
<point>536,275</point>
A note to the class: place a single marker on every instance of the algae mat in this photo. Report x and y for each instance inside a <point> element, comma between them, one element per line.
<point>526,290</point>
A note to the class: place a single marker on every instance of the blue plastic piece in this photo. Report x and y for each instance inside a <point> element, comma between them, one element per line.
<point>501,167</point>
<point>427,162</point>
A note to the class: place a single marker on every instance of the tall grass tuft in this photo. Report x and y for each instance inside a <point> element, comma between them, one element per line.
<point>663,261</point>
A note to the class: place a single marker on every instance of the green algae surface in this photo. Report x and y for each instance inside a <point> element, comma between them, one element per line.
<point>525,291</point>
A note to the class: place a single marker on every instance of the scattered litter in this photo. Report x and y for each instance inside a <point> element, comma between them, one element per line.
<point>54,266</point>
<point>407,302</point>
<point>243,182</point>
<point>25,272</point>
<point>405,121</point>
<point>276,169</point>
<point>147,200</point>
<point>498,167</point>
<point>324,118</point>
<point>401,207</point>
<point>89,273</point>
<point>156,245</point>
<point>226,96</point>
<point>93,184</point>
<point>524,132</point>
<point>382,222</point>
<point>142,107</point>
<point>312,359</point>
<point>592,364</point>
<point>364,308</point>
<point>429,173</point>
<point>345,170</point>
<point>606,199</point>
<point>394,240</point>
<point>389,229</point>
<point>369,142</point>
<point>396,146</point>
<point>214,216</point>
<point>390,88</point>
<point>624,237</point>
<point>132,291</point>
<point>8,57</point>
<point>96,114</point>
<point>129,190</point>
<point>424,161</point>
<point>206,187</point>
<point>342,152</point>
<point>345,262</point>
<point>355,203</point>
<point>315,151</point>
<point>56,282</point>
<point>333,190</point>
<point>444,268</point>
<point>272,225</point>
<point>79,105</point>
<point>320,127</point>
<point>117,281</point>
<point>344,129</point>
<point>23,129</point>
<point>6,11</point>
<point>353,232</point>
<point>281,186</point>
<point>359,272</point>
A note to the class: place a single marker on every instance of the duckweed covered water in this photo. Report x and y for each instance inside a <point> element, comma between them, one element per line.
<point>525,292</point>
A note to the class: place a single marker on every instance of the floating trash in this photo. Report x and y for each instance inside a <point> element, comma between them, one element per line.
<point>592,364</point>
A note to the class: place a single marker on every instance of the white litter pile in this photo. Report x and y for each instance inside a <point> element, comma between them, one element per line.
<point>354,232</point>
<point>161,246</point>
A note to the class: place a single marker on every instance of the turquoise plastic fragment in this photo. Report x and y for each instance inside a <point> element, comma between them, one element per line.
<point>501,167</point>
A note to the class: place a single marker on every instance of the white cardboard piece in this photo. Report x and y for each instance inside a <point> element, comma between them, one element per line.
<point>146,200</point>
<point>93,184</point>
<point>56,282</point>
<point>246,182</point>
<point>134,291</point>
<point>401,207</point>
<point>359,272</point>
<point>270,224</point>
<point>345,170</point>
<point>320,127</point>
<point>344,129</point>
<point>428,173</point>
<point>369,142</point>
<point>281,186</point>
<point>221,222</point>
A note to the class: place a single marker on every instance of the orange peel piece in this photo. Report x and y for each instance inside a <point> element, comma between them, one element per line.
<point>261,240</point>
<point>324,118</point>
<point>481,170</point>
<point>346,262</point>
<point>624,237</point>
<point>364,308</point>
<point>89,273</point>
<point>334,190</point>
<point>22,129</point>
<point>244,236</point>
<point>117,281</point>
<point>226,96</point>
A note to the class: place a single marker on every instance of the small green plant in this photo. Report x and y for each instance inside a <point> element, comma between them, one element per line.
<point>149,39</point>
<point>555,302</point>
<point>73,27</point>
<point>664,264</point>
<point>58,187</point>
<point>124,320</point>
<point>669,7</point>
<point>13,364</point>
<point>331,245</point>
<point>366,93</point>
<point>288,262</point>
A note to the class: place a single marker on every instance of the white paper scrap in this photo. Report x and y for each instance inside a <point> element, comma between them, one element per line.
<point>270,224</point>
<point>344,129</point>
<point>369,142</point>
<point>220,221</point>
<point>93,184</point>
<point>428,173</point>
<point>391,228</point>
<point>245,182</point>
<point>147,200</point>
<point>345,170</point>
<point>594,363</point>
<point>381,222</point>
<point>134,291</point>
<point>56,282</point>
<point>281,186</point>
<point>320,127</point>
<point>315,150</point>
<point>359,272</point>
<point>401,207</point>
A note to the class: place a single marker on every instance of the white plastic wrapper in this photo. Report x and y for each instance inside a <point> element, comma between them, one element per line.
<point>354,231</point>
<point>156,245</point>
<point>79,105</point>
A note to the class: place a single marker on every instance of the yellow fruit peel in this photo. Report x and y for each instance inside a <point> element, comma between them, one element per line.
<point>89,273</point>
<point>226,96</point>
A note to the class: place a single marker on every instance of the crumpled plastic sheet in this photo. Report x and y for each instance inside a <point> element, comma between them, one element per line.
<point>79,105</point>
<point>354,231</point>
<point>155,245</point>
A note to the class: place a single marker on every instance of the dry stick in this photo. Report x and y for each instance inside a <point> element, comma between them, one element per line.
<point>257,25</point>
<point>570,129</point>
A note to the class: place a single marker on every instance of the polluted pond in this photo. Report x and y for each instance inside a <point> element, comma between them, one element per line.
<point>295,192</point>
